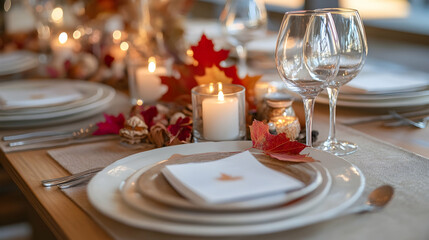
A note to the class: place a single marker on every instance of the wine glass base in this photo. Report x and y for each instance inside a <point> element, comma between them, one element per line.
<point>339,148</point>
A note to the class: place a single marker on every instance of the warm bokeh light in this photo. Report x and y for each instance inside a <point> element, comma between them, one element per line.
<point>139,102</point>
<point>190,53</point>
<point>219,86</point>
<point>63,38</point>
<point>376,9</point>
<point>152,64</point>
<point>117,35</point>
<point>7,5</point>
<point>77,34</point>
<point>124,46</point>
<point>57,15</point>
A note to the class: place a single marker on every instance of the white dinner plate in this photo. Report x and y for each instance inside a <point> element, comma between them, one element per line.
<point>131,196</point>
<point>107,94</point>
<point>103,192</point>
<point>15,62</point>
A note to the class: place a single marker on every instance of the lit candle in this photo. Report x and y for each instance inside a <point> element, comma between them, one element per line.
<point>63,46</point>
<point>220,118</point>
<point>149,85</point>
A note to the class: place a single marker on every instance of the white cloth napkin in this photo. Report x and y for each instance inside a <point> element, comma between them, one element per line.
<point>37,97</point>
<point>379,77</point>
<point>234,178</point>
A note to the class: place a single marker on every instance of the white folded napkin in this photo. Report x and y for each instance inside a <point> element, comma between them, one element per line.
<point>385,82</point>
<point>24,97</point>
<point>234,178</point>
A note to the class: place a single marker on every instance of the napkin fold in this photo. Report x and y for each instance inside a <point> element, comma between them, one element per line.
<point>235,178</point>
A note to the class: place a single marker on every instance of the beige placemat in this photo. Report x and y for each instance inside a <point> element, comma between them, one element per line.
<point>406,217</point>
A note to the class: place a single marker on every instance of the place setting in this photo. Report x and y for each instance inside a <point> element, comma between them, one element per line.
<point>220,188</point>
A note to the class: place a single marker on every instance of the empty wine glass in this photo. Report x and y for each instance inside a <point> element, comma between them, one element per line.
<point>307,56</point>
<point>353,51</point>
<point>243,21</point>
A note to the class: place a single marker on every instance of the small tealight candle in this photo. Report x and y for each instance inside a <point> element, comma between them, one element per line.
<point>220,118</point>
<point>149,85</point>
<point>63,46</point>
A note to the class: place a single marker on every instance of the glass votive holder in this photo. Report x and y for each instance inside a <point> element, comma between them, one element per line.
<point>219,112</point>
<point>144,80</point>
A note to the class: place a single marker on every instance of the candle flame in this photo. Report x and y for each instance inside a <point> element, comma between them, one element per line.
<point>220,96</point>
<point>63,38</point>
<point>152,64</point>
<point>57,14</point>
<point>211,88</point>
<point>219,86</point>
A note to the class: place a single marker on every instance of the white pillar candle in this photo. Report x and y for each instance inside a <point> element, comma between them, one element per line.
<point>149,86</point>
<point>220,118</point>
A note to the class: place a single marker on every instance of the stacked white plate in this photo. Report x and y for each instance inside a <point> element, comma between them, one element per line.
<point>384,85</point>
<point>30,103</point>
<point>144,201</point>
<point>15,62</point>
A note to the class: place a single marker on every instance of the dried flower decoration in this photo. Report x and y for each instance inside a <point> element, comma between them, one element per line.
<point>134,131</point>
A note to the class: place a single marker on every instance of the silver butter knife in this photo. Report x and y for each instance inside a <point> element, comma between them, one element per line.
<point>79,134</point>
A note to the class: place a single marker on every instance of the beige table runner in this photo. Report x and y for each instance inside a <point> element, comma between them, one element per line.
<point>406,217</point>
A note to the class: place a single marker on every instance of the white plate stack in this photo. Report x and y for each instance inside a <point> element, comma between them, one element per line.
<point>31,103</point>
<point>15,62</point>
<point>384,85</point>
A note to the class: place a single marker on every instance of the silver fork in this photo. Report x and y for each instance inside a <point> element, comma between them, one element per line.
<point>420,124</point>
<point>74,178</point>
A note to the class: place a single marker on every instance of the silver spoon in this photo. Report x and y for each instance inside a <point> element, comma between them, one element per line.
<point>377,199</point>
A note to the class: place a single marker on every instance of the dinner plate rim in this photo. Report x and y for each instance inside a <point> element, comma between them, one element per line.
<point>107,199</point>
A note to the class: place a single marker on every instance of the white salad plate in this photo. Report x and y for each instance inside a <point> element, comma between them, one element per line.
<point>131,196</point>
<point>103,193</point>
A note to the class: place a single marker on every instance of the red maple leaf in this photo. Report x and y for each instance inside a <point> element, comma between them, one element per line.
<point>111,125</point>
<point>149,114</point>
<point>181,129</point>
<point>277,146</point>
<point>205,54</point>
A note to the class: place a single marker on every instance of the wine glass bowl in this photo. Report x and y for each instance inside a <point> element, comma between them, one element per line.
<point>307,56</point>
<point>243,21</point>
<point>353,50</point>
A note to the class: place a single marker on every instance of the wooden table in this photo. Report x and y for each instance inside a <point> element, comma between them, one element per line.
<point>67,221</point>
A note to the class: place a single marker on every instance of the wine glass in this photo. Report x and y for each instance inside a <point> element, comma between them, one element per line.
<point>307,56</point>
<point>243,21</point>
<point>353,51</point>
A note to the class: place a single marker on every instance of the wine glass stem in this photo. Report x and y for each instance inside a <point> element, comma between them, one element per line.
<point>333,95</point>
<point>309,109</point>
<point>242,58</point>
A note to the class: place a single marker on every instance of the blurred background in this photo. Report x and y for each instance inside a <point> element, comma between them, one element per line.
<point>95,40</point>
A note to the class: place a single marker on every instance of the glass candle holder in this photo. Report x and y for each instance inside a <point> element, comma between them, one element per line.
<point>218,112</point>
<point>144,79</point>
